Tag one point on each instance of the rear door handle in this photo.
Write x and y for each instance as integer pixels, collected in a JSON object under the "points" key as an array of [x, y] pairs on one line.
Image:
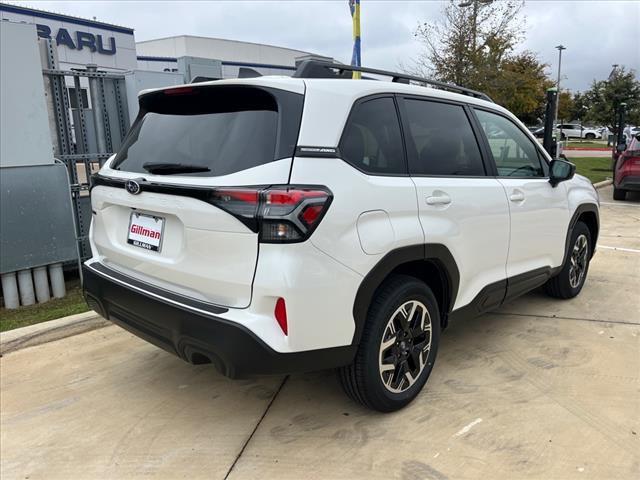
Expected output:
{"points": [[517, 196], [439, 200]]}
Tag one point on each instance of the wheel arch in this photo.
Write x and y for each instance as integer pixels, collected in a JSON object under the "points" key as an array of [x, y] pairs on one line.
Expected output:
{"points": [[588, 214], [432, 263]]}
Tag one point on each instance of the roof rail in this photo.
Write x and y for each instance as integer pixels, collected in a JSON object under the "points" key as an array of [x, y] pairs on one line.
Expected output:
{"points": [[321, 69]]}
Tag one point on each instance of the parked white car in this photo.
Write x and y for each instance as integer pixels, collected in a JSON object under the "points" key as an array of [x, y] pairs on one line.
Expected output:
{"points": [[574, 130], [275, 224]]}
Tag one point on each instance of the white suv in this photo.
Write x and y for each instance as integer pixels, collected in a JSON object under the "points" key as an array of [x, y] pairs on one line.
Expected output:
{"points": [[276, 224], [575, 130]]}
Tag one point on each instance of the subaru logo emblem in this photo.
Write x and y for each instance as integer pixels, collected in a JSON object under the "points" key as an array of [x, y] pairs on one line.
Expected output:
{"points": [[132, 187]]}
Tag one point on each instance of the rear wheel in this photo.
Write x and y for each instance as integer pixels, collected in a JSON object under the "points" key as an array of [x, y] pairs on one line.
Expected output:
{"points": [[619, 194], [398, 346], [570, 280]]}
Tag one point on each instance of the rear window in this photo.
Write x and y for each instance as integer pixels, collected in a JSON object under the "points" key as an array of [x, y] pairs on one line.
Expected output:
{"points": [[225, 129]]}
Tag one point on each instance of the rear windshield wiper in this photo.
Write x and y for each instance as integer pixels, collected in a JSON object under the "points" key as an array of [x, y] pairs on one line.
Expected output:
{"points": [[165, 168]]}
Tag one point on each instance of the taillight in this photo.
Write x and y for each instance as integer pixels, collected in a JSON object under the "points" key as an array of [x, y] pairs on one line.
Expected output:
{"points": [[238, 201], [626, 157], [280, 214], [285, 213]]}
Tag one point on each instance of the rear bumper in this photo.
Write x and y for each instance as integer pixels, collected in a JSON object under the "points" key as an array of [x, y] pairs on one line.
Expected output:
{"points": [[195, 335], [629, 182]]}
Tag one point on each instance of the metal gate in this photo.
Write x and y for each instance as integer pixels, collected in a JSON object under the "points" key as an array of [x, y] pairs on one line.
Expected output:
{"points": [[88, 113]]}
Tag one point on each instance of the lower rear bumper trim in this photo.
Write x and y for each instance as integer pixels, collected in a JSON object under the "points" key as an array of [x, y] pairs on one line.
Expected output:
{"points": [[629, 182], [199, 338]]}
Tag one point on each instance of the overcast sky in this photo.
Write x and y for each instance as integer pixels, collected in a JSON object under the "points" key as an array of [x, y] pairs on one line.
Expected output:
{"points": [[597, 34]]}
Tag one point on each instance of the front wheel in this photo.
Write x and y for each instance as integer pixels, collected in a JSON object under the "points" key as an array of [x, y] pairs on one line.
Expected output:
{"points": [[590, 136], [569, 282], [398, 346]]}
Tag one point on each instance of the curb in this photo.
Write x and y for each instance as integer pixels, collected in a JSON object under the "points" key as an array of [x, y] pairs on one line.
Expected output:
{"points": [[588, 149], [602, 184], [45, 332]]}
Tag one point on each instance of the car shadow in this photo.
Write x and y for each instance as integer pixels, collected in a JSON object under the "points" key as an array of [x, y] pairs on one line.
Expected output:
{"points": [[470, 342]]}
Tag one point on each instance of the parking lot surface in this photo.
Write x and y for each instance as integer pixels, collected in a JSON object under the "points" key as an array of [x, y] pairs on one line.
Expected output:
{"points": [[541, 388]]}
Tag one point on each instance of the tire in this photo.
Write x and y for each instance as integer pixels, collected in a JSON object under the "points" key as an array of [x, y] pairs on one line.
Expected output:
{"points": [[390, 389], [619, 194], [590, 136], [569, 282]]}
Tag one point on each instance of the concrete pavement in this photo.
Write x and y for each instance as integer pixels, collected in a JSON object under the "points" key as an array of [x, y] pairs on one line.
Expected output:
{"points": [[539, 389]]}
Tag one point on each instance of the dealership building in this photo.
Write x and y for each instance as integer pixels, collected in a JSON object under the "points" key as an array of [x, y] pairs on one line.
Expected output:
{"points": [[162, 55], [114, 48], [153, 63]]}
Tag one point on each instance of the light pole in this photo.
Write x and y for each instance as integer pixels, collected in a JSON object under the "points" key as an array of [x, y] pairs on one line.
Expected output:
{"points": [[475, 4], [555, 117]]}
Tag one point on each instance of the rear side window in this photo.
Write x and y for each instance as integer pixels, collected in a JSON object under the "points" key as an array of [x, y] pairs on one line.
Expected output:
{"points": [[225, 129], [443, 138], [371, 140]]}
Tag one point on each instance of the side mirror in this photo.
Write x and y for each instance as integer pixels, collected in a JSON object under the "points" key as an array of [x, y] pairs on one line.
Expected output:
{"points": [[560, 171], [621, 147]]}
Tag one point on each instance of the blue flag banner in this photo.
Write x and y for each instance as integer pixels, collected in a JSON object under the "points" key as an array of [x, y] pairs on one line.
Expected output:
{"points": [[354, 7]]}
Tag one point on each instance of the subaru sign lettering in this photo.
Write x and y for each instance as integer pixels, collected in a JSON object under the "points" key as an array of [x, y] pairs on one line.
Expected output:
{"points": [[79, 40]]}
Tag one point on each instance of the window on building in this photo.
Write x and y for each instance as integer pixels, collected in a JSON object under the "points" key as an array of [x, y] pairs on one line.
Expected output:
{"points": [[73, 100]]}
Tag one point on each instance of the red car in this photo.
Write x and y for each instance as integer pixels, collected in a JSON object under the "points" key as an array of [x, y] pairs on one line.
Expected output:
{"points": [[626, 171]]}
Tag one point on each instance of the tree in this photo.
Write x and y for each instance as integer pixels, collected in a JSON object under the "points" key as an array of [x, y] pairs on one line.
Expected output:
{"points": [[520, 85], [604, 97], [474, 46], [579, 107], [456, 48], [566, 107]]}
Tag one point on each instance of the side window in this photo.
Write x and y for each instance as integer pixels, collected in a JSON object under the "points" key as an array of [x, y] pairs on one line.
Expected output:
{"points": [[371, 141], [514, 153], [443, 138]]}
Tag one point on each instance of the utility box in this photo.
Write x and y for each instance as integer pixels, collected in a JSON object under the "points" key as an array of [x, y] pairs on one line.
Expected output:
{"points": [[139, 80], [199, 69]]}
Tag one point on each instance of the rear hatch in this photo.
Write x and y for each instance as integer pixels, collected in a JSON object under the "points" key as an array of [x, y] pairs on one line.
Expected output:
{"points": [[177, 206]]}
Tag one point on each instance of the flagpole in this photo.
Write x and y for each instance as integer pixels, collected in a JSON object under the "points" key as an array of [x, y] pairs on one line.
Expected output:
{"points": [[356, 60]]}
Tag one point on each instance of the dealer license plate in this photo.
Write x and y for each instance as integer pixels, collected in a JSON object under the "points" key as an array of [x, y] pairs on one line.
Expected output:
{"points": [[145, 231]]}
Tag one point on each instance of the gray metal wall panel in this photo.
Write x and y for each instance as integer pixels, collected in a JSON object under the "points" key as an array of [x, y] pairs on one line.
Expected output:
{"points": [[36, 220], [24, 134]]}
